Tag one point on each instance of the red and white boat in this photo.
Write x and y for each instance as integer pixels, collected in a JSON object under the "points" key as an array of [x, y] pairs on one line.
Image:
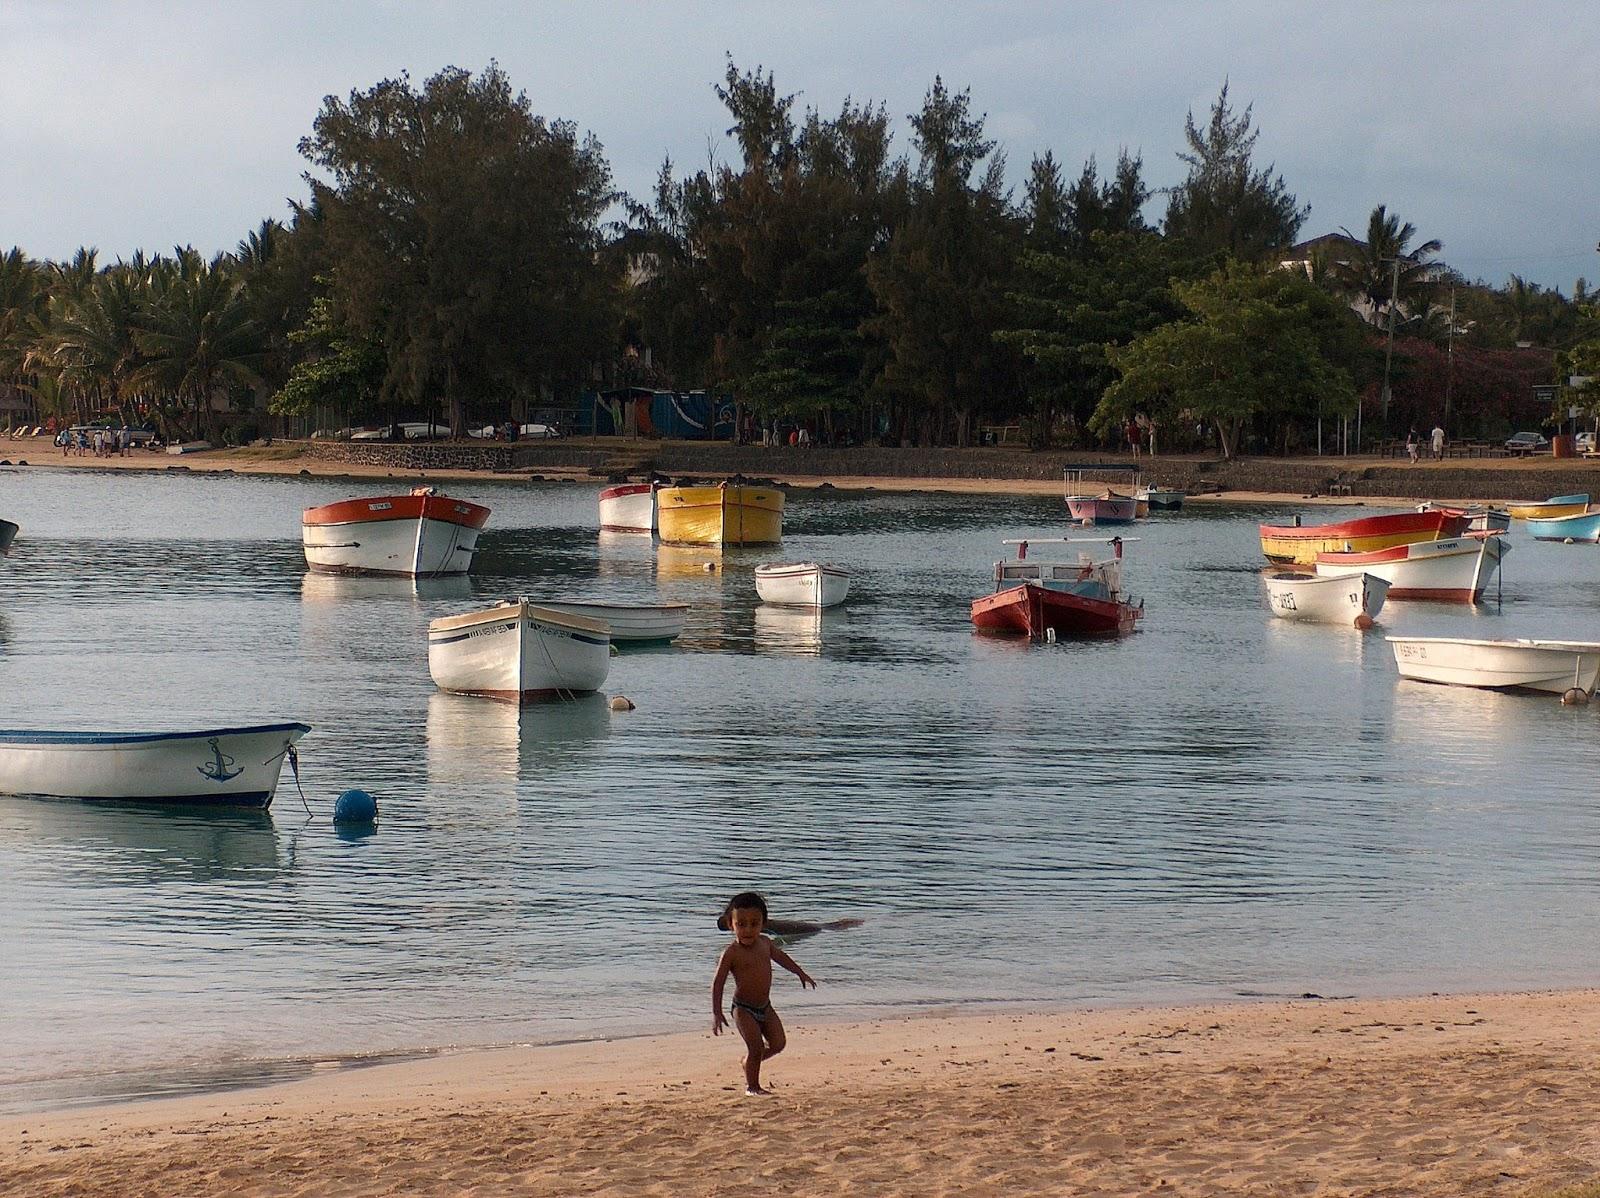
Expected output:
{"points": [[629, 507], [1297, 544], [1455, 570], [1044, 600], [417, 535]]}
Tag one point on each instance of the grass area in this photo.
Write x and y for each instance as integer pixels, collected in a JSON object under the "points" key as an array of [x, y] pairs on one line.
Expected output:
{"points": [[268, 453]]}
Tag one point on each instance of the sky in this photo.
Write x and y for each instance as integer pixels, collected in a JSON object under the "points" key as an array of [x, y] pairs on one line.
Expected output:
{"points": [[145, 125]]}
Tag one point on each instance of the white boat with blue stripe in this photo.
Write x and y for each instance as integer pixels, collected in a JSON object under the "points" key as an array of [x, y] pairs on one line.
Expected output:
{"points": [[213, 767], [519, 652]]}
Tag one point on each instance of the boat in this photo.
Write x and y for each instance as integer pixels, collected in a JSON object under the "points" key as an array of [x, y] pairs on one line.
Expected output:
{"points": [[519, 652], [1299, 545], [418, 534], [1582, 526], [211, 767], [629, 507], [724, 514], [1106, 508], [630, 623], [1044, 599], [1455, 570], [8, 534], [1554, 666], [1480, 517], [802, 584], [1161, 499], [1295, 595], [1556, 505]]}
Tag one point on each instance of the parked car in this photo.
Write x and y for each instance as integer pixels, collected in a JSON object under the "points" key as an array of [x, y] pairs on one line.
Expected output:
{"points": [[490, 431], [1585, 443], [1526, 443]]}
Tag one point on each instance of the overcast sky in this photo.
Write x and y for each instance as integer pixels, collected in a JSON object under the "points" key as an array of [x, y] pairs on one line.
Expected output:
{"points": [[148, 124]]}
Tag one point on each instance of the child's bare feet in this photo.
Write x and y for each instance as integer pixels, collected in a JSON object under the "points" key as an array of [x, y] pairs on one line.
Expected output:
{"points": [[756, 1092]]}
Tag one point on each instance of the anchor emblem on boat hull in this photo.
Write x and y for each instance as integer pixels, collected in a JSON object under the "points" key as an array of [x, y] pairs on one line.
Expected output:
{"points": [[217, 768]]}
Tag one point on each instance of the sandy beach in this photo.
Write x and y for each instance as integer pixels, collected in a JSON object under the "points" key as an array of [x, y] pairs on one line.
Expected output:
{"points": [[1459, 1095]]}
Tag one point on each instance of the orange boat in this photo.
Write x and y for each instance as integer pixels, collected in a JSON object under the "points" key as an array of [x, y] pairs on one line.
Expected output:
{"points": [[1298, 544]]}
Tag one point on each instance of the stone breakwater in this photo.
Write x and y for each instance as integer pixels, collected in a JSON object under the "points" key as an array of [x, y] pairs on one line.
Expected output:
{"points": [[1285, 476]]}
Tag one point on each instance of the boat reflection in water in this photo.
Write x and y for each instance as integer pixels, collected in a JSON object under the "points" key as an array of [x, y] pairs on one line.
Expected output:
{"points": [[791, 630], [350, 588], [474, 742]]}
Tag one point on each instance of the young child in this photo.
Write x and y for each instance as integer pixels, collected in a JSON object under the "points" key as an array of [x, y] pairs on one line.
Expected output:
{"points": [[749, 958]]}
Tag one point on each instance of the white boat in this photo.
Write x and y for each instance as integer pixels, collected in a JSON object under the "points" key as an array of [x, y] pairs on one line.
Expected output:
{"points": [[1295, 595], [802, 584], [419, 534], [629, 507], [8, 533], [214, 767], [1553, 666], [1160, 499], [1455, 570], [518, 651], [1480, 517], [630, 623]]}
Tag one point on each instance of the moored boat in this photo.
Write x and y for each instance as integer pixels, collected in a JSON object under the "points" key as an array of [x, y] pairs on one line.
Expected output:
{"points": [[8, 534], [1480, 517], [1296, 595], [212, 767], [629, 507], [802, 584], [518, 652], [1161, 499], [724, 514], [1299, 545], [419, 534], [1581, 526], [1454, 570], [1556, 505], [1044, 599], [1106, 508], [629, 623], [1538, 665]]}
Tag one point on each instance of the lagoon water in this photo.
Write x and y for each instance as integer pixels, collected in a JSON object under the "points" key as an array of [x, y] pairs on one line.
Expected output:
{"points": [[1221, 805]]}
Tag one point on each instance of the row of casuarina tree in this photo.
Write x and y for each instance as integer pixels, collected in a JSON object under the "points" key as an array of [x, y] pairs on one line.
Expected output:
{"points": [[460, 255]]}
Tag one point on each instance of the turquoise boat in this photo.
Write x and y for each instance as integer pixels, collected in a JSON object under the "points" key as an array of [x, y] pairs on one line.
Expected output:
{"points": [[1582, 527]]}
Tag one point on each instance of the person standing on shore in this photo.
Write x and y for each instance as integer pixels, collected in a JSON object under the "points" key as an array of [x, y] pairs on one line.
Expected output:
{"points": [[1411, 445], [749, 959], [1438, 443]]}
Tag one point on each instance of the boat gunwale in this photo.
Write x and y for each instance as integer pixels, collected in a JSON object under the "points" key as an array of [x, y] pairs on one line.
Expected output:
{"points": [[22, 736], [520, 610]]}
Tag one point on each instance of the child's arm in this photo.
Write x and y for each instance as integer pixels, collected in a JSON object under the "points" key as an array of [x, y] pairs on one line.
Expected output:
{"points": [[718, 1019], [788, 962]]}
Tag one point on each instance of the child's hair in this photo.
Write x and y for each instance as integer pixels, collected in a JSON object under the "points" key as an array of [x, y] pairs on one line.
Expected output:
{"points": [[745, 900]]}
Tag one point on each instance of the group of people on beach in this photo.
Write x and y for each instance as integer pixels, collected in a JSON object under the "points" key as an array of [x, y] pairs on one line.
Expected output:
{"points": [[102, 442]]}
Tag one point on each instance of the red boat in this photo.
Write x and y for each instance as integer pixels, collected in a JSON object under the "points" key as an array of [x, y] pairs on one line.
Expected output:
{"points": [[1297, 544], [1044, 600]]}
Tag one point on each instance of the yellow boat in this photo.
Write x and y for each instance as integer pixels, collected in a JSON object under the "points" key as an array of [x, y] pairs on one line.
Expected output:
{"points": [[726, 514], [1285, 544], [1561, 505]]}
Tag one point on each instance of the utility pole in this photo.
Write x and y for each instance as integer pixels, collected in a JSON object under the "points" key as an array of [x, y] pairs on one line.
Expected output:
{"points": [[1450, 358], [1388, 354]]}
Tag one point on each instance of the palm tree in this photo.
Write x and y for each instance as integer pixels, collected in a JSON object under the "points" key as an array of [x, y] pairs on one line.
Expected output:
{"points": [[1369, 275], [24, 302], [199, 337], [93, 339]]}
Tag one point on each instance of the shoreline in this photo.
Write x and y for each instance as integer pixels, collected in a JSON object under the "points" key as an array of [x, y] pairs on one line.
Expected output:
{"points": [[1460, 1094]]}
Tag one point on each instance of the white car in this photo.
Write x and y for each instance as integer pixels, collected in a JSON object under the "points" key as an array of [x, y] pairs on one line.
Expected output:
{"points": [[1585, 443]]}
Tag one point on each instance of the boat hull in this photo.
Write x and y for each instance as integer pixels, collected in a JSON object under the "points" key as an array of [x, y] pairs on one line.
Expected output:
{"points": [[1550, 666], [217, 767], [8, 534], [1584, 526], [1355, 600], [518, 653], [1550, 509], [1164, 501], [1295, 545], [414, 536], [630, 623], [722, 515], [630, 507], [1100, 509], [802, 584], [1455, 570], [1034, 611]]}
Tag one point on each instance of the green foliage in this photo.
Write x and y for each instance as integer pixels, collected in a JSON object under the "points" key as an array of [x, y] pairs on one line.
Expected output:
{"points": [[340, 370]]}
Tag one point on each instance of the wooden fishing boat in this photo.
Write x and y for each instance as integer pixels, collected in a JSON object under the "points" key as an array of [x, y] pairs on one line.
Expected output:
{"points": [[1553, 666], [629, 507], [1556, 505], [419, 534], [1455, 570], [1296, 595], [1106, 508], [630, 623], [725, 514], [1581, 526], [1299, 545], [1044, 600], [518, 652], [8, 534], [1161, 499], [1480, 517], [212, 767], [802, 584]]}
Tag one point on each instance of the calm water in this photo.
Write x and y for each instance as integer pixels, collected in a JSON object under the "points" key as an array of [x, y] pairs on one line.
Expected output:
{"points": [[1224, 804]]}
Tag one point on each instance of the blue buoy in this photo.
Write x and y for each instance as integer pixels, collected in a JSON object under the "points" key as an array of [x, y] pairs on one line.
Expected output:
{"points": [[355, 807]]}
